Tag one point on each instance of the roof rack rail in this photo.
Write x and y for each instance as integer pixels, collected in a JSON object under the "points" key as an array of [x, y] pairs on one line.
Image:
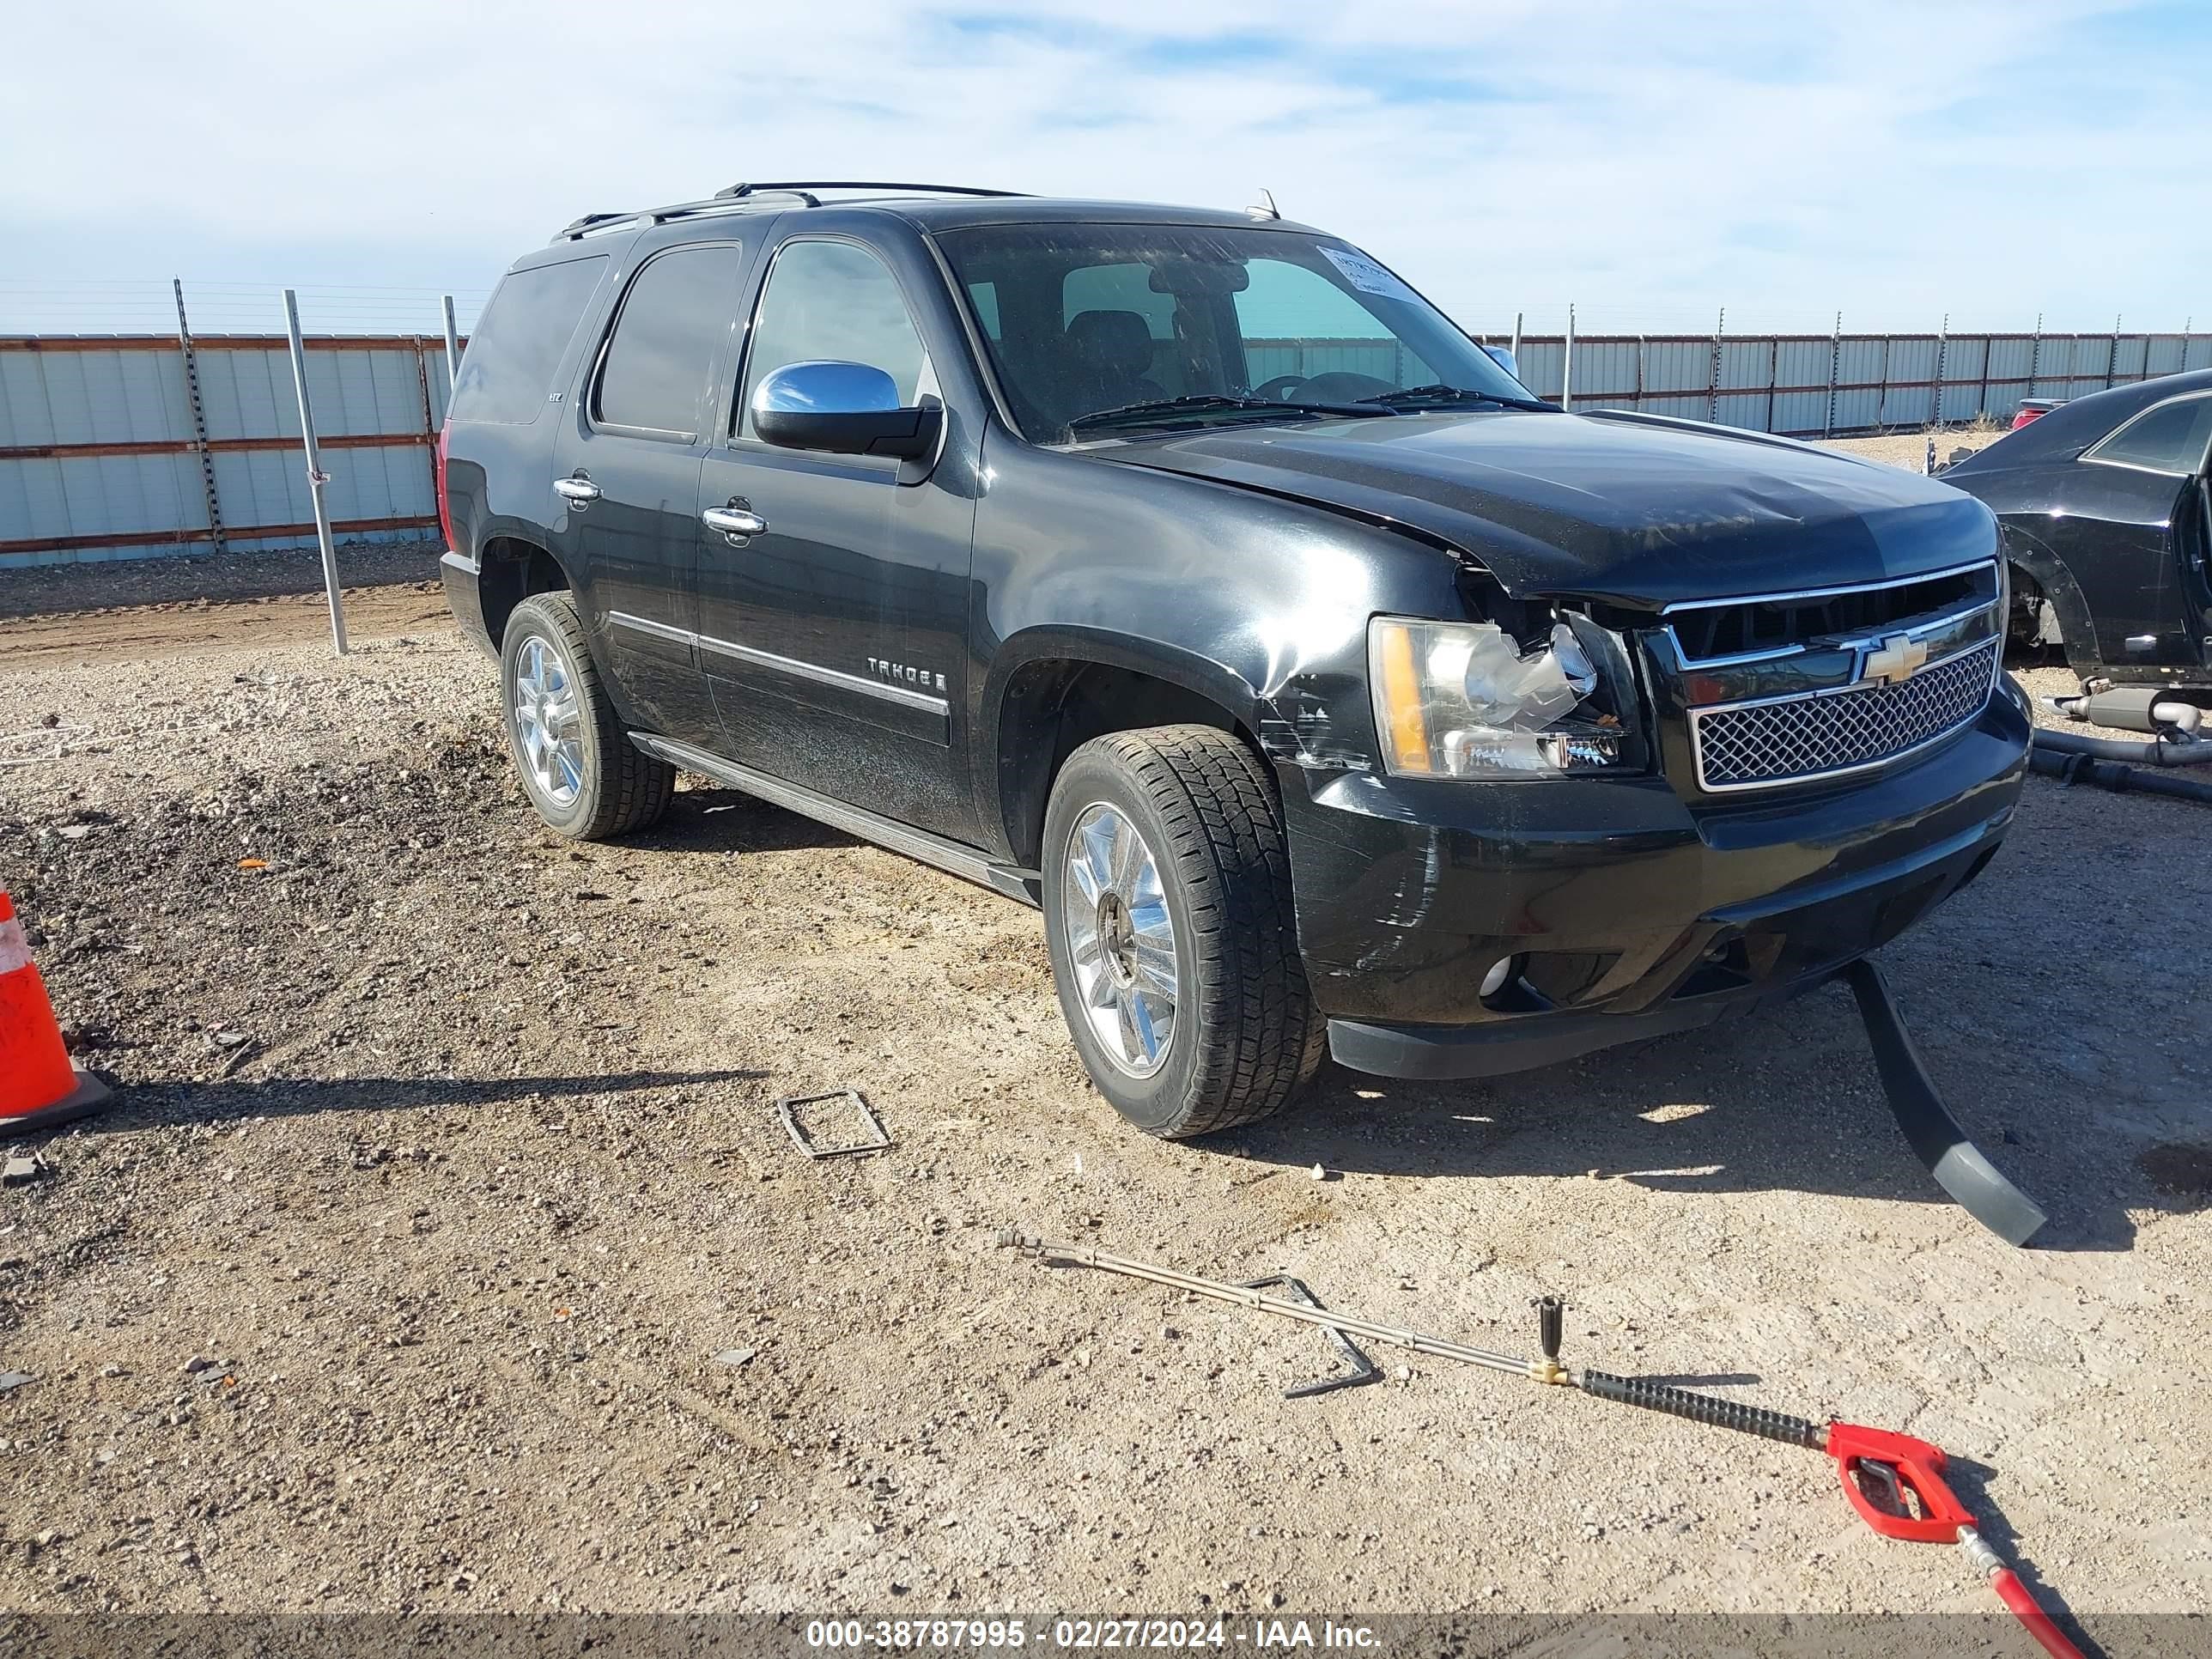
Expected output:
{"points": [[801, 187], [578, 227], [742, 197], [575, 229]]}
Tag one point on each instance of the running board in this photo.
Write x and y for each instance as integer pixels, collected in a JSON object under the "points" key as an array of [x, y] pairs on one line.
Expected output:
{"points": [[938, 851]]}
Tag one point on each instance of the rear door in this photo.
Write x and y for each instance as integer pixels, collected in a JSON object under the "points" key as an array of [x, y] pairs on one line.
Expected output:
{"points": [[626, 479], [835, 638]]}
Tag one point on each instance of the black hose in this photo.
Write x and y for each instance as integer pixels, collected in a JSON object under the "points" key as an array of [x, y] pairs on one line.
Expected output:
{"points": [[2117, 749], [2082, 768]]}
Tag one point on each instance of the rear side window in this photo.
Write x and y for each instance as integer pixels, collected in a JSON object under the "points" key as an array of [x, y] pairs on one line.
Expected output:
{"points": [[673, 320], [508, 371], [2170, 438]]}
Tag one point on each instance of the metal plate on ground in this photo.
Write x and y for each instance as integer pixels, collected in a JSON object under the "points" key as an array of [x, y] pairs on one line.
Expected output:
{"points": [[875, 1137]]}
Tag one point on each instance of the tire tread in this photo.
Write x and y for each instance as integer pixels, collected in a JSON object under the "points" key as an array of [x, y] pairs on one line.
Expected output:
{"points": [[1260, 1036], [633, 789]]}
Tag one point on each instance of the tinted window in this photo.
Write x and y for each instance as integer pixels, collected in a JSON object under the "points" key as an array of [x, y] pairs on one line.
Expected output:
{"points": [[1090, 318], [833, 302], [673, 320], [507, 373], [1297, 322], [985, 298], [2167, 439]]}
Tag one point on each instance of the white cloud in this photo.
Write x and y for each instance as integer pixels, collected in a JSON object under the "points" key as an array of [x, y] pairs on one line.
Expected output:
{"points": [[1993, 158]]}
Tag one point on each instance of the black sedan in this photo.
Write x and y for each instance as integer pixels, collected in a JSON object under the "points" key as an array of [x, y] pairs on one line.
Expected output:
{"points": [[2107, 515]]}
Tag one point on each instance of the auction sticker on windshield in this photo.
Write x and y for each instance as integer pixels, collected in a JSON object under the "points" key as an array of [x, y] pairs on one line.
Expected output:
{"points": [[1364, 274]]}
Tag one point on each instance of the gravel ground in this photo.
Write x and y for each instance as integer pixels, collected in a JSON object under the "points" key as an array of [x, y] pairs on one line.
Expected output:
{"points": [[46, 589], [443, 1252]]}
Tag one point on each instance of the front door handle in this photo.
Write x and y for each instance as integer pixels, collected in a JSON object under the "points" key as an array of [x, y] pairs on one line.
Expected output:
{"points": [[737, 522], [579, 489]]}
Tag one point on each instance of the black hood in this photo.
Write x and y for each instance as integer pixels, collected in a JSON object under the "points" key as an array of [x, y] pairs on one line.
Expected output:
{"points": [[1617, 508]]}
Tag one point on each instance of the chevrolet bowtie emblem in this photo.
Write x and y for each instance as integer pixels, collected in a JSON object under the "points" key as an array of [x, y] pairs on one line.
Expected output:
{"points": [[1900, 656]]}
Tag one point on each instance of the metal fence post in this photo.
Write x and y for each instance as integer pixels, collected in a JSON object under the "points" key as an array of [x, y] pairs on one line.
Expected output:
{"points": [[316, 477], [2035, 356], [1942, 350], [1638, 404], [1516, 336], [1774, 376], [1567, 365], [216, 539], [1713, 386], [452, 346], [2112, 357], [1835, 361]]}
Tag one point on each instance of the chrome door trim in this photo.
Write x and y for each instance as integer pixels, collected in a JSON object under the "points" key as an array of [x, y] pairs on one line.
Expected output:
{"points": [[821, 675], [660, 630], [941, 707]]}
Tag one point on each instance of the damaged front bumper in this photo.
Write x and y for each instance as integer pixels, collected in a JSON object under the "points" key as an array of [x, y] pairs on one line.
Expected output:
{"points": [[1627, 912]]}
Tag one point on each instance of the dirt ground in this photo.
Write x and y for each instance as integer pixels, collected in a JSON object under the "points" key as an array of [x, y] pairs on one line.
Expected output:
{"points": [[442, 1250]]}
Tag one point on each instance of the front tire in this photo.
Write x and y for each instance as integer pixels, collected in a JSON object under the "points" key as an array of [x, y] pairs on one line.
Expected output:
{"points": [[587, 779], [1168, 914]]}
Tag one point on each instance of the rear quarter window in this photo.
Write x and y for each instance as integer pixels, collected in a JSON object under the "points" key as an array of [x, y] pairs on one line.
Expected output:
{"points": [[2165, 438], [507, 373]]}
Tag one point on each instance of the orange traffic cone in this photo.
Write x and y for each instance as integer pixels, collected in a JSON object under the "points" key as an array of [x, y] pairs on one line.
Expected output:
{"points": [[40, 1087]]}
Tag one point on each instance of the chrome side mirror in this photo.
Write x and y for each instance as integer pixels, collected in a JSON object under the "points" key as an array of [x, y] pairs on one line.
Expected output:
{"points": [[844, 409]]}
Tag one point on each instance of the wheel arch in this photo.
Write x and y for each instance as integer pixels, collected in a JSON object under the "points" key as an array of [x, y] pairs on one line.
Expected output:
{"points": [[2077, 634], [510, 569], [1051, 690]]}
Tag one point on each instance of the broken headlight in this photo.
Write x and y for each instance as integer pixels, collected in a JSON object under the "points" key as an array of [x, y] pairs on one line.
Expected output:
{"points": [[1469, 700]]}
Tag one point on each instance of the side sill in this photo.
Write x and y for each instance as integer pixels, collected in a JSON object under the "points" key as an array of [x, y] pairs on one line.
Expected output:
{"points": [[937, 851]]}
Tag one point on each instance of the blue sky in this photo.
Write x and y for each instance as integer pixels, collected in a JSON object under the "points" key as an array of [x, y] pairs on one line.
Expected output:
{"points": [[1990, 159]]}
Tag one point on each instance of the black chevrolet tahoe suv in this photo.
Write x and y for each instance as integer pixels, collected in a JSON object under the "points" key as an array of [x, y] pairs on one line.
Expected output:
{"points": [[1188, 576]]}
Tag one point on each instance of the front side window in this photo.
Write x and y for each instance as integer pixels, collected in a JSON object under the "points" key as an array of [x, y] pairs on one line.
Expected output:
{"points": [[674, 321], [1091, 323], [2168, 438], [835, 302]]}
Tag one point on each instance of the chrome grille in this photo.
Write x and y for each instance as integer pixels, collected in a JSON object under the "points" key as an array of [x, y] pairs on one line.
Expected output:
{"points": [[1758, 744]]}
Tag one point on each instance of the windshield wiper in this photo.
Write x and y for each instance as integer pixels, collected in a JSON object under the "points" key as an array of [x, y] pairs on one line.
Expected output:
{"points": [[1413, 397], [1212, 403]]}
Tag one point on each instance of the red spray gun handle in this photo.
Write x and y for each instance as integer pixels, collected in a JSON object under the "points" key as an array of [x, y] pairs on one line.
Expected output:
{"points": [[1883, 1473], [1880, 1470]]}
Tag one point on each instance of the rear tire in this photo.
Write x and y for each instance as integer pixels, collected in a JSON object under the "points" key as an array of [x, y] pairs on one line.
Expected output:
{"points": [[1241, 1034], [587, 779]]}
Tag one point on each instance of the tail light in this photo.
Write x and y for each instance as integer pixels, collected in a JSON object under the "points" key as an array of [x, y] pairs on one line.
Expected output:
{"points": [[2024, 417], [438, 485]]}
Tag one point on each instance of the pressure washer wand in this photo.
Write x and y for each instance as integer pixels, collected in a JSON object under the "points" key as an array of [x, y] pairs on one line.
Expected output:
{"points": [[1893, 1481]]}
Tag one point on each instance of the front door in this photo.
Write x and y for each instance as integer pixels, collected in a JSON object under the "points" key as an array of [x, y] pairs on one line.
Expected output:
{"points": [[2129, 516], [834, 633], [626, 481]]}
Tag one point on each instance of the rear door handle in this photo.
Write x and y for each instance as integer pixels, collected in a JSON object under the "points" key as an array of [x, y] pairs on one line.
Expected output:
{"points": [[737, 523], [578, 489]]}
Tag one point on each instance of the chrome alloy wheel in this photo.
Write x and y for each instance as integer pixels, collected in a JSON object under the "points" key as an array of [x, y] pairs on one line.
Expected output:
{"points": [[549, 722], [1120, 939]]}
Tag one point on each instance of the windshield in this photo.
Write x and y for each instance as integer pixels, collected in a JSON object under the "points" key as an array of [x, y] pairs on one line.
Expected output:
{"points": [[1211, 323]]}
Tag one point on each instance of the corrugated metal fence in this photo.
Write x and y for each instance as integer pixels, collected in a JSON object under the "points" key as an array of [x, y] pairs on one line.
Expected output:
{"points": [[1824, 384], [101, 456]]}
